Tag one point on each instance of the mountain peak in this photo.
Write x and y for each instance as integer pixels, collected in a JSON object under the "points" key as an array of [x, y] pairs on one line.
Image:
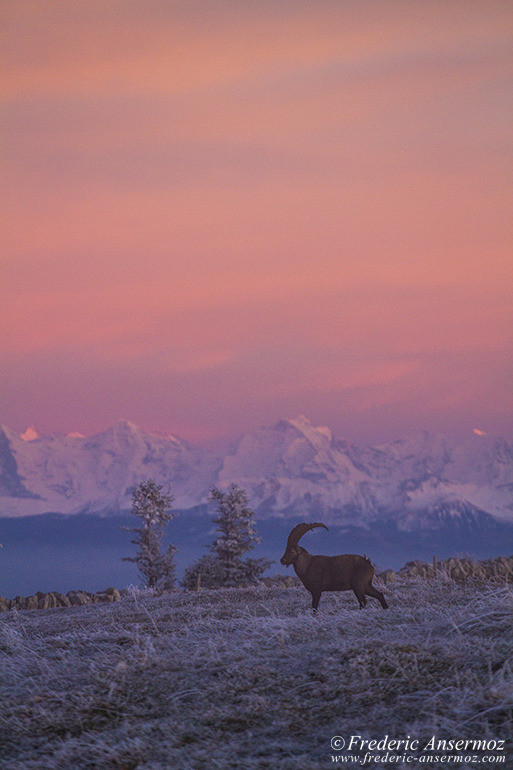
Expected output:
{"points": [[124, 429], [310, 430], [30, 434], [300, 420], [126, 425]]}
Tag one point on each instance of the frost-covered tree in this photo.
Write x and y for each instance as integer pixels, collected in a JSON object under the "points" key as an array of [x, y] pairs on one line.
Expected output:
{"points": [[153, 506], [235, 535], [236, 530]]}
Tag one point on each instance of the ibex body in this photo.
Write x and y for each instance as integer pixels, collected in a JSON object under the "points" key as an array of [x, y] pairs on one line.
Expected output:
{"points": [[347, 572]]}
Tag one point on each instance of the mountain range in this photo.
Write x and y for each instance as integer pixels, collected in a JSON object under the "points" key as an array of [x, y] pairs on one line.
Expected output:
{"points": [[290, 470]]}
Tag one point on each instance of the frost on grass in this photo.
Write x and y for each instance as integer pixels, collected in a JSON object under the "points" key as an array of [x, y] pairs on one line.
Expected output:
{"points": [[248, 678]]}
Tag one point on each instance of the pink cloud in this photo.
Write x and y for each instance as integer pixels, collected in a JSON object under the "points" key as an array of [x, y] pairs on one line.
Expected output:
{"points": [[271, 210]]}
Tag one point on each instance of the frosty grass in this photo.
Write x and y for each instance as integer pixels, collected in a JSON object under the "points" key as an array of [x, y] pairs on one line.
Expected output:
{"points": [[247, 678]]}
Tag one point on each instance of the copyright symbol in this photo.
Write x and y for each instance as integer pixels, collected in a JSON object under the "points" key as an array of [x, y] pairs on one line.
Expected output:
{"points": [[337, 743]]}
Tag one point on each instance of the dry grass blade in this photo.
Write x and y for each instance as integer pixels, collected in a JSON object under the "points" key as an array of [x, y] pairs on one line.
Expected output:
{"points": [[248, 678]]}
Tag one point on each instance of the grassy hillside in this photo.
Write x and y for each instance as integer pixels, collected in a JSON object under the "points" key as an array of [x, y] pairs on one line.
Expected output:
{"points": [[249, 679]]}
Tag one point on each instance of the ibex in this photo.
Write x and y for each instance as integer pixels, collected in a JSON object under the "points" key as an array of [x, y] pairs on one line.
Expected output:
{"points": [[347, 572]]}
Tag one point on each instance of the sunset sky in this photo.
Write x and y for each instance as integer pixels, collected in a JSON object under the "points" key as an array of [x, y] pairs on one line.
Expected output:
{"points": [[217, 214]]}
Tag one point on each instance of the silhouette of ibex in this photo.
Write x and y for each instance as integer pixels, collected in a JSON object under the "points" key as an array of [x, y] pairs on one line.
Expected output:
{"points": [[347, 572]]}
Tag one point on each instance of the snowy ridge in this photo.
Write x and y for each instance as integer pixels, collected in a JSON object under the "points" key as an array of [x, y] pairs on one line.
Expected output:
{"points": [[290, 469], [72, 474]]}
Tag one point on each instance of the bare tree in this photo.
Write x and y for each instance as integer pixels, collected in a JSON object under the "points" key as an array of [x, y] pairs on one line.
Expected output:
{"points": [[153, 506]]}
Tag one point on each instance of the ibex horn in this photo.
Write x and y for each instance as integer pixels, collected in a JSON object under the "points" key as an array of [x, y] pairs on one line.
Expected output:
{"points": [[300, 530]]}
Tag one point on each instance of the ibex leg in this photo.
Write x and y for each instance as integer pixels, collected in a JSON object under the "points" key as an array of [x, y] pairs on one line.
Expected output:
{"points": [[359, 592], [371, 591], [315, 600]]}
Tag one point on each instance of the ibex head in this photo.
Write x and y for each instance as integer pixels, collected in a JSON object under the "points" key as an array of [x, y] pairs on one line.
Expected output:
{"points": [[292, 549]]}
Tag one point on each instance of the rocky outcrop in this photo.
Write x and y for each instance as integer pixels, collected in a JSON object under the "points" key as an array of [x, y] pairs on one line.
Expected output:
{"points": [[78, 598], [461, 570], [109, 595], [46, 601]]}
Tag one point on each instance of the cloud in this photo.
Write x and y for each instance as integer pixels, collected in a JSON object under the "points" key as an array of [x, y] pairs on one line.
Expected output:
{"points": [[260, 202]]}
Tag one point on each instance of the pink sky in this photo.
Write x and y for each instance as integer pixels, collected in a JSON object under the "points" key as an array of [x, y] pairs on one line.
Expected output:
{"points": [[220, 214]]}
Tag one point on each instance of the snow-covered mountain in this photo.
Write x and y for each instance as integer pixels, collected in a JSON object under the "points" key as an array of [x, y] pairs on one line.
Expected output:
{"points": [[73, 474], [295, 468], [291, 469]]}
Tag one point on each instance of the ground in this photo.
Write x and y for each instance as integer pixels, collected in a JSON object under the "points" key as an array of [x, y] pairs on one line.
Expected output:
{"points": [[248, 678]]}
